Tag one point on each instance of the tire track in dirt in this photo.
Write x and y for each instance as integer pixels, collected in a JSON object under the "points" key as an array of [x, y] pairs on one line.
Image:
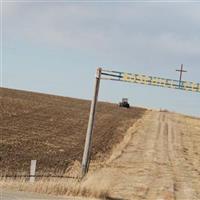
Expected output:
{"points": [[163, 185], [153, 164], [187, 179]]}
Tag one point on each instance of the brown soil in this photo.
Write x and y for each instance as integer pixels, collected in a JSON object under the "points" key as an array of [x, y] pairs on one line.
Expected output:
{"points": [[51, 129]]}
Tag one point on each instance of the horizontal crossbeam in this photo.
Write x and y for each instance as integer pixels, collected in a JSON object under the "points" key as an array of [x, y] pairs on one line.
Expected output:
{"points": [[150, 80]]}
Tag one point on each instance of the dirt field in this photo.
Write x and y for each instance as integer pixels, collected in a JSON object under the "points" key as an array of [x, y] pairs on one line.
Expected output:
{"points": [[52, 130], [158, 160]]}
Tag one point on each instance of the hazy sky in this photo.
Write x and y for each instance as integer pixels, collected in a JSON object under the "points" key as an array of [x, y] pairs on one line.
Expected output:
{"points": [[54, 47]]}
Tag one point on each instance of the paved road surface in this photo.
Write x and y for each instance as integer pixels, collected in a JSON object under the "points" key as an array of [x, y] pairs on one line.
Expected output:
{"points": [[14, 195], [11, 195]]}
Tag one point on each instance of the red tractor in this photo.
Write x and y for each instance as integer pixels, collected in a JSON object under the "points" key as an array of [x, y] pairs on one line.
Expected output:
{"points": [[124, 103]]}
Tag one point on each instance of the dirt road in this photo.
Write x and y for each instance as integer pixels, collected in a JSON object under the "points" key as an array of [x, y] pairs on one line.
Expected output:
{"points": [[160, 160], [14, 195]]}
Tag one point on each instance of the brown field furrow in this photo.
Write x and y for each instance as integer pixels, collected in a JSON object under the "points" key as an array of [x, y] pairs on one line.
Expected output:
{"points": [[52, 129]]}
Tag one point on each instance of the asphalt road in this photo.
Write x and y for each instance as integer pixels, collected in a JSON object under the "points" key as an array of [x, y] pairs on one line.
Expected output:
{"points": [[14, 195]]}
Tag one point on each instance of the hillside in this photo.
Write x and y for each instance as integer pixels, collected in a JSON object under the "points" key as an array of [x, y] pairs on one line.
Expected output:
{"points": [[51, 129]]}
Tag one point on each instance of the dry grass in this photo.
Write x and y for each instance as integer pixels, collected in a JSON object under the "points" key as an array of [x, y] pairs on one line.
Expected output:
{"points": [[92, 186], [118, 148], [68, 187]]}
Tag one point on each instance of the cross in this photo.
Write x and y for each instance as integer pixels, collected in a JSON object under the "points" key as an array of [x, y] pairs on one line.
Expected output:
{"points": [[181, 74]]}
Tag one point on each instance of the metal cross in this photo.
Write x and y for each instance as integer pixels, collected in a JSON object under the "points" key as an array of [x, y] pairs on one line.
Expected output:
{"points": [[181, 74]]}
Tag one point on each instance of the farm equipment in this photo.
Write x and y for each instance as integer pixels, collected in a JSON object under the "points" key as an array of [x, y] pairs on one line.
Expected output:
{"points": [[124, 103]]}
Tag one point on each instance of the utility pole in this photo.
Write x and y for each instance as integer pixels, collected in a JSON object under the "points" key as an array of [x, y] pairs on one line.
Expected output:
{"points": [[88, 140], [181, 74]]}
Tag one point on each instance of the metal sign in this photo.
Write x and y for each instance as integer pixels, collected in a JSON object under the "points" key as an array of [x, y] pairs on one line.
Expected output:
{"points": [[150, 80], [131, 78]]}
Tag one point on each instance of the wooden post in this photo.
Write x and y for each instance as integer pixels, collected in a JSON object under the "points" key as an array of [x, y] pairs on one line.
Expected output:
{"points": [[32, 171], [88, 140]]}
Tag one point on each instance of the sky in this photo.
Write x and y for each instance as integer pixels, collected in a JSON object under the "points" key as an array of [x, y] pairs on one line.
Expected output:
{"points": [[55, 47]]}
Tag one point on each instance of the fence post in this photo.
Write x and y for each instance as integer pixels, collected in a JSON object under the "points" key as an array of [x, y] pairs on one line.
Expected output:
{"points": [[88, 140], [32, 171]]}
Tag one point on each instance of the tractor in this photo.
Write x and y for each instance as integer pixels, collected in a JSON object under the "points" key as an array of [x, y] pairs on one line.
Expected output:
{"points": [[124, 103]]}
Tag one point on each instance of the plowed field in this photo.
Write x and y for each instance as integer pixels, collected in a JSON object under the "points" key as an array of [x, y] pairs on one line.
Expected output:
{"points": [[51, 129]]}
